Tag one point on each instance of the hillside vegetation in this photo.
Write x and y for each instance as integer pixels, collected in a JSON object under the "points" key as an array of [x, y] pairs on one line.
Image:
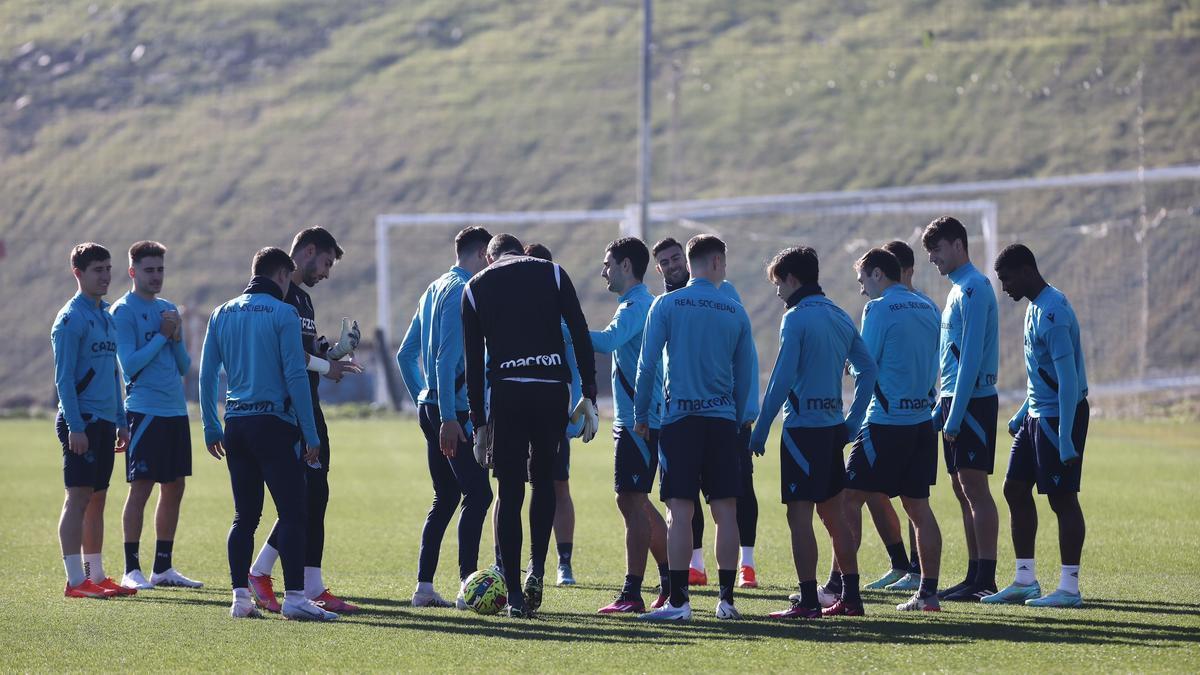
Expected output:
{"points": [[220, 126]]}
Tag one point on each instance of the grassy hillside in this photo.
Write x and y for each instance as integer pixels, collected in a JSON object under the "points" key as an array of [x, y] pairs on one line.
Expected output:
{"points": [[219, 126]]}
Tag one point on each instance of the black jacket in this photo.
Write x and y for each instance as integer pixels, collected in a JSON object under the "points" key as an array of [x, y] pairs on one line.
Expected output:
{"points": [[515, 309]]}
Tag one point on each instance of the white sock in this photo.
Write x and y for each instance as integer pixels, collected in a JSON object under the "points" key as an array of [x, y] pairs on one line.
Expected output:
{"points": [[241, 596], [93, 566], [1026, 571], [698, 559], [265, 562], [313, 584], [424, 587], [74, 567], [1069, 581], [294, 597], [748, 556]]}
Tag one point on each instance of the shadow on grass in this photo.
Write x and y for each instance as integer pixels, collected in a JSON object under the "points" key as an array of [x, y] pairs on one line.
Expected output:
{"points": [[948, 628], [1145, 607]]}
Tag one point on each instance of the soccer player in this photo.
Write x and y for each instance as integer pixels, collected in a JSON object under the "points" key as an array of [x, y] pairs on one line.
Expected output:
{"points": [[709, 379], [154, 361], [255, 337], [895, 454], [514, 310], [314, 251], [671, 264], [902, 576], [564, 506], [635, 458], [966, 414], [91, 423], [816, 338], [1049, 431], [435, 342]]}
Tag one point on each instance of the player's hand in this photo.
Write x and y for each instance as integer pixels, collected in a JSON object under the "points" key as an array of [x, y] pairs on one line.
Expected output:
{"points": [[339, 369], [585, 412], [949, 437], [312, 454], [349, 340], [170, 323], [483, 445], [77, 441], [449, 436], [936, 418], [122, 439], [216, 449], [1066, 451], [642, 429], [1014, 425]]}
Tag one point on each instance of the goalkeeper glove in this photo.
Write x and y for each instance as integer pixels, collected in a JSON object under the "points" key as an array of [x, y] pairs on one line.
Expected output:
{"points": [[348, 342], [483, 445], [585, 412]]}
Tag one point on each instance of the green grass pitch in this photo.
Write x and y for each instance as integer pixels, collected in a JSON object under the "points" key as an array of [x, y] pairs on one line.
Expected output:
{"points": [[1140, 579]]}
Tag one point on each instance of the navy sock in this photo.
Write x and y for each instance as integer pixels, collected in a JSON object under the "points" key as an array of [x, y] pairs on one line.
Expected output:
{"points": [[679, 587], [664, 578], [898, 555], [131, 557], [808, 595], [850, 588], [499, 563], [564, 553], [928, 586], [633, 586], [725, 581], [986, 574], [834, 585], [972, 572], [162, 556], [914, 560]]}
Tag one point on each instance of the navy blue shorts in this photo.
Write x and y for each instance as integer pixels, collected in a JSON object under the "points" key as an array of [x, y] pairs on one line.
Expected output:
{"points": [[93, 468], [811, 468], [897, 460], [975, 445], [699, 454], [635, 461], [1035, 459], [743, 445], [160, 448], [562, 462]]}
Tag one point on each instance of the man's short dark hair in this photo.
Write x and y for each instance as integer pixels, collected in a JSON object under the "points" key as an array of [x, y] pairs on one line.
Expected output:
{"points": [[879, 259], [470, 239], [704, 245], [318, 237], [799, 261], [146, 249], [87, 253], [633, 250], [504, 243], [944, 228], [1015, 256], [540, 251], [268, 261], [903, 253], [664, 244]]}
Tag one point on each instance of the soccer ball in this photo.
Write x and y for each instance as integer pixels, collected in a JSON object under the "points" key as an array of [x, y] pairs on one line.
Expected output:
{"points": [[485, 592]]}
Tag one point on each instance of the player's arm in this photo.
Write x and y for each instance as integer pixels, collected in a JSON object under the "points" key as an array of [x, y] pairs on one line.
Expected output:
{"points": [[654, 338], [1014, 423], [783, 378], [862, 364], [974, 318], [572, 313], [873, 335], [623, 328], [132, 359], [1063, 353], [473, 356], [183, 361], [408, 357], [122, 420], [210, 371], [295, 377], [449, 352], [65, 341], [745, 371]]}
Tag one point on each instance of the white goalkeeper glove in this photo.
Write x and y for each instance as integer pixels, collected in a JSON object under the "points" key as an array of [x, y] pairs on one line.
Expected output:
{"points": [[585, 412], [483, 445], [348, 342]]}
